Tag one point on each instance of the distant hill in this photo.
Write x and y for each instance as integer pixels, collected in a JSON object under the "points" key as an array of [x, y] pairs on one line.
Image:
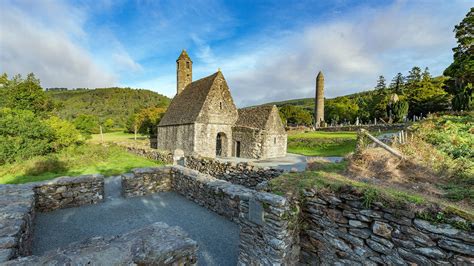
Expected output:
{"points": [[114, 103]]}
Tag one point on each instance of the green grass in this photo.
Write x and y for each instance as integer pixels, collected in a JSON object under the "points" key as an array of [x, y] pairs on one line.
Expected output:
{"points": [[117, 137], [85, 159], [321, 143]]}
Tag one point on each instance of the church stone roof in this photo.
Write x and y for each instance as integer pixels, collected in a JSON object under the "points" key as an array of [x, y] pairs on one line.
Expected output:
{"points": [[254, 117], [186, 106]]}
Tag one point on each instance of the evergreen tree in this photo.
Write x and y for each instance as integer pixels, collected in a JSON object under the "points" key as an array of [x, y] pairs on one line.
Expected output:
{"points": [[381, 85], [397, 84], [414, 77], [399, 111], [461, 71]]}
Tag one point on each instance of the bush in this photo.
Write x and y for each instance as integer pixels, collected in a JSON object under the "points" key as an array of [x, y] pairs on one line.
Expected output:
{"points": [[23, 135], [87, 124], [65, 133]]}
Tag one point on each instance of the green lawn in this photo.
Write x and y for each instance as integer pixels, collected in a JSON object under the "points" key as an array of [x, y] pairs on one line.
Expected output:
{"points": [[119, 137], [321, 143], [73, 161]]}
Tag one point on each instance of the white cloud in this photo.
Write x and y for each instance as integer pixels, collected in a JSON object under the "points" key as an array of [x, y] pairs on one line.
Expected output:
{"points": [[43, 38], [352, 51]]}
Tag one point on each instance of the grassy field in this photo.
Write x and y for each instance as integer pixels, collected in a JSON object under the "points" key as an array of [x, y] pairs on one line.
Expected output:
{"points": [[119, 137], [85, 159], [322, 143]]}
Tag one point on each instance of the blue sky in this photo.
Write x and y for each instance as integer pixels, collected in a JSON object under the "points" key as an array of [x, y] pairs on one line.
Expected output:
{"points": [[267, 50]]}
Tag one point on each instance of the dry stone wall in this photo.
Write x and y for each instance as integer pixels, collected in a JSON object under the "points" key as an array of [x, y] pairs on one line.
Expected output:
{"points": [[66, 192], [157, 244], [244, 174], [19, 203], [153, 154], [266, 235], [217, 195], [17, 212], [339, 230], [144, 181], [269, 237]]}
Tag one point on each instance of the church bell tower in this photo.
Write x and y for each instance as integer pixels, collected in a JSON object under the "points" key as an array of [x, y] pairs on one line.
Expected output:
{"points": [[184, 71]]}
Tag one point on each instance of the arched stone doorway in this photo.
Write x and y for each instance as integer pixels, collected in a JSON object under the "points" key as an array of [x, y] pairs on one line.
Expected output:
{"points": [[221, 145]]}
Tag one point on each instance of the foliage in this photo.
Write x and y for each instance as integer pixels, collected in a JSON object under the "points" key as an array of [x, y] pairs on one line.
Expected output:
{"points": [[295, 115], [73, 161], [340, 109], [397, 84], [461, 71], [117, 104], [26, 94], [145, 121], [65, 133], [451, 140], [381, 85], [399, 110], [87, 124], [23, 135]]}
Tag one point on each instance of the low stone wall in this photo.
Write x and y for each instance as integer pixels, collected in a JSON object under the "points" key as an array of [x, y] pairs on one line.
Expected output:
{"points": [[17, 212], [153, 154], [18, 204], [144, 181], [157, 244], [381, 127], [244, 174], [217, 195], [266, 236], [339, 230], [268, 231], [66, 192]]}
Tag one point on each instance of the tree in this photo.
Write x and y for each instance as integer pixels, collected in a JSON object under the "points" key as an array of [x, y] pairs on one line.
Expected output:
{"points": [[27, 94], [381, 85], [399, 110], [145, 121], [23, 135], [423, 95], [65, 133], [397, 84], [461, 71], [88, 124], [295, 115]]}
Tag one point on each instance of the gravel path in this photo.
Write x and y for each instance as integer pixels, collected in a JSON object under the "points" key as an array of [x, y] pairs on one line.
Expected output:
{"points": [[217, 237]]}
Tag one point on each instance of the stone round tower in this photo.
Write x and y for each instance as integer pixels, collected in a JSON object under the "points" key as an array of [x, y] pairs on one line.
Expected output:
{"points": [[319, 101], [184, 71]]}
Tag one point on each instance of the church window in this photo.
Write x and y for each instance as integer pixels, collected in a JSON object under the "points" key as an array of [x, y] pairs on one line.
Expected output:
{"points": [[220, 105], [274, 140], [187, 64]]}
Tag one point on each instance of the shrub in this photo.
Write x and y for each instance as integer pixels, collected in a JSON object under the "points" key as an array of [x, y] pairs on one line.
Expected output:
{"points": [[88, 124], [65, 133], [23, 135]]}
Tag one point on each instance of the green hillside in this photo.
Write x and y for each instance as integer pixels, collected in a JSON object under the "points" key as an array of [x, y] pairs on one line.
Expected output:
{"points": [[117, 104]]}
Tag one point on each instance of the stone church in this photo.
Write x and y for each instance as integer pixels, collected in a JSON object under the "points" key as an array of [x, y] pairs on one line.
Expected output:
{"points": [[202, 119]]}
